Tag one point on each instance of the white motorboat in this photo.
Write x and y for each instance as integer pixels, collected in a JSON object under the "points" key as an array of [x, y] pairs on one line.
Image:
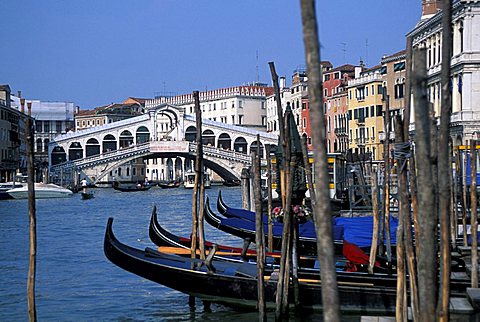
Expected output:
{"points": [[189, 182], [42, 191], [5, 186]]}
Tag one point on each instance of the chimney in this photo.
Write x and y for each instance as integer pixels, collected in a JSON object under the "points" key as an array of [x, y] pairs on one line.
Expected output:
{"points": [[29, 107], [430, 8], [22, 105], [19, 94], [282, 82]]}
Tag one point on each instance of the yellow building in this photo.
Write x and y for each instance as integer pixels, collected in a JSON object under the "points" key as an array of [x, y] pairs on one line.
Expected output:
{"points": [[365, 117]]}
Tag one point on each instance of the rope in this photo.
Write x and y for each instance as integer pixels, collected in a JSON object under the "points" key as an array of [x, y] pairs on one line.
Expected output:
{"points": [[402, 152]]}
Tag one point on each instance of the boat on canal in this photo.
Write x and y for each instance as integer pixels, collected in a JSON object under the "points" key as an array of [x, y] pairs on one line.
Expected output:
{"points": [[42, 191], [240, 227], [235, 284], [132, 187], [189, 182], [5, 186], [88, 195], [169, 185]]}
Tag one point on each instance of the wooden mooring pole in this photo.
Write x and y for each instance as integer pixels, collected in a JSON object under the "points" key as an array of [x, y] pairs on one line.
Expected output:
{"points": [[269, 198], [474, 211], [259, 232], [322, 213], [198, 180], [32, 262]]}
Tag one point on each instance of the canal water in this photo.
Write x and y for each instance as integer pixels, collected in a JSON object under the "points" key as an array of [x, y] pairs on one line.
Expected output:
{"points": [[75, 281]]}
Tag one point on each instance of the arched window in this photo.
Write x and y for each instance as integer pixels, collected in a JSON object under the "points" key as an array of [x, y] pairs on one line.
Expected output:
{"points": [[208, 138], [143, 135], [240, 145], [39, 145], [92, 147], [58, 155], [109, 143], [75, 151], [253, 148], [191, 134], [224, 141], [126, 139]]}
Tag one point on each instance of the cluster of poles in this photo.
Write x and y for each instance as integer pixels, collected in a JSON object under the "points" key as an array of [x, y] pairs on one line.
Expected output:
{"points": [[427, 201]]}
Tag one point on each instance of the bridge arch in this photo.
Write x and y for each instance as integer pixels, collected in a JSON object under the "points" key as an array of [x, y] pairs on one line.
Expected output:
{"points": [[126, 139], [58, 155], [75, 151], [253, 148], [109, 143], [224, 141], [191, 134], [92, 147], [142, 134], [208, 138], [240, 145]]}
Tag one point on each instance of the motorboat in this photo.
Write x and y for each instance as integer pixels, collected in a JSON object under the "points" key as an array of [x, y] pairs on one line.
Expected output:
{"points": [[189, 182], [42, 191], [5, 186]]}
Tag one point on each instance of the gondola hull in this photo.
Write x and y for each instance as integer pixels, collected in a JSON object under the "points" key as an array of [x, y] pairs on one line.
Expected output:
{"points": [[235, 284], [130, 188], [88, 195], [246, 229]]}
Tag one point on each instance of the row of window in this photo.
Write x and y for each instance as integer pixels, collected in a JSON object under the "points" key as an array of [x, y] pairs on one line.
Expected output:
{"points": [[9, 116], [363, 112], [96, 122], [362, 91], [44, 126]]}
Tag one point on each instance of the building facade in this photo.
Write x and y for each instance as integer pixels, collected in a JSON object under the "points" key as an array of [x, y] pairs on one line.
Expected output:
{"points": [[365, 113], [335, 100], [465, 64], [106, 114], [12, 138], [51, 119]]}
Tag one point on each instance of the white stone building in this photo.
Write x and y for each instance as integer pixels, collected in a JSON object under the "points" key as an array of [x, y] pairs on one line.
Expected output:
{"points": [[465, 63]]}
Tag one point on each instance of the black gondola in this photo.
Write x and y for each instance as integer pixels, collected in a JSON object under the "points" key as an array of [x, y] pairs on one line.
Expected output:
{"points": [[246, 229], [235, 284], [169, 185], [231, 183], [130, 187], [87, 195]]}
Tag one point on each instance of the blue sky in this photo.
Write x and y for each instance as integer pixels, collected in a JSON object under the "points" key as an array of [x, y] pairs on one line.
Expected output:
{"points": [[94, 52]]}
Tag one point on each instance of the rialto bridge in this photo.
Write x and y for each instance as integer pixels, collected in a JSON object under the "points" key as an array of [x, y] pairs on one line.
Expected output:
{"points": [[164, 132]]}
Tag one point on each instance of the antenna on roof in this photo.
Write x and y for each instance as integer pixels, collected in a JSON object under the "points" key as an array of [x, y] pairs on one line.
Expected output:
{"points": [[366, 51], [257, 77], [344, 49]]}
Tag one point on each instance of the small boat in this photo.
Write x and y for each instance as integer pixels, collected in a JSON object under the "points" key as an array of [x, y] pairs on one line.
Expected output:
{"points": [[169, 185], [189, 182], [231, 182], [42, 191], [88, 195], [5, 186], [130, 187]]}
